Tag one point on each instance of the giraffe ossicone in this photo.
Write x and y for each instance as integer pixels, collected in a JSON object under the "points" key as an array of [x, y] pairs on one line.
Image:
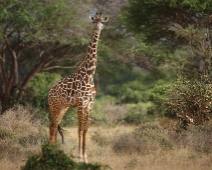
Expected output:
{"points": [[77, 90]]}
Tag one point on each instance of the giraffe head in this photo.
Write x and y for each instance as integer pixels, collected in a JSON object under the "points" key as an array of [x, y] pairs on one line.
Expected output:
{"points": [[98, 21]]}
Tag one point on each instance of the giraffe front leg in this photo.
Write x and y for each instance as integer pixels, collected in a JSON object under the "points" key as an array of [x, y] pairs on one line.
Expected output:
{"points": [[82, 146], [84, 154], [80, 135], [80, 132], [87, 110], [83, 116]]}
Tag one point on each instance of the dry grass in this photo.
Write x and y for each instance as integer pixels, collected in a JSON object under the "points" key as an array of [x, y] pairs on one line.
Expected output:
{"points": [[21, 135], [148, 146], [156, 149]]}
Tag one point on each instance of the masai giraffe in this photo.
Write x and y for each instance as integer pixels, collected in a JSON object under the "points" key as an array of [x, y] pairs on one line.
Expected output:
{"points": [[78, 90]]}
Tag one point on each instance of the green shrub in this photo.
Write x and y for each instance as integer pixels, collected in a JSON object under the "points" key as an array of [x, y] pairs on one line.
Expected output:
{"points": [[52, 158], [189, 100], [40, 86]]}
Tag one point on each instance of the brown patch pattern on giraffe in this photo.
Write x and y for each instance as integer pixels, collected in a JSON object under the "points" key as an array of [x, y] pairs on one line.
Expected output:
{"points": [[78, 90]]}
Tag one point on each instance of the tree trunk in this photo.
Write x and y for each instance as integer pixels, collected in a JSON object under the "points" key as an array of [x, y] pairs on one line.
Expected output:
{"points": [[8, 80]]}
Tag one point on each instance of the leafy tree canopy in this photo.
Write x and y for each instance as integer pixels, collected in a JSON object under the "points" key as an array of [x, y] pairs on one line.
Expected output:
{"points": [[34, 33], [35, 20], [153, 18]]}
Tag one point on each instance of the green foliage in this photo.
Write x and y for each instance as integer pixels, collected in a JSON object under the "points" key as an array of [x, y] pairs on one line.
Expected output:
{"points": [[137, 113], [42, 82], [35, 35], [35, 18], [197, 54], [183, 27], [70, 118], [152, 18], [40, 86], [54, 159], [132, 87], [157, 97], [176, 34], [194, 5]]}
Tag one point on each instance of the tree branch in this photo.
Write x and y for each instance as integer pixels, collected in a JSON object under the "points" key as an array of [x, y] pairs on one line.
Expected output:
{"points": [[59, 67], [27, 91]]}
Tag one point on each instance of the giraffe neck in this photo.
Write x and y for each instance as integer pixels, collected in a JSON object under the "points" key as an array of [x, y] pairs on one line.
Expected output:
{"points": [[88, 65]]}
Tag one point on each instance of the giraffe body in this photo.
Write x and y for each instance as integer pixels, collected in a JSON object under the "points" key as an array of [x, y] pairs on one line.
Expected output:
{"points": [[78, 90]]}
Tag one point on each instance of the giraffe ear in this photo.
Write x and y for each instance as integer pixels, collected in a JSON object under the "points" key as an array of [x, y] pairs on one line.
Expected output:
{"points": [[105, 19], [92, 18]]}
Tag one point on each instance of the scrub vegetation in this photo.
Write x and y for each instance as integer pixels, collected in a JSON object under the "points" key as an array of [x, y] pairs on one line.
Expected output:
{"points": [[153, 106]]}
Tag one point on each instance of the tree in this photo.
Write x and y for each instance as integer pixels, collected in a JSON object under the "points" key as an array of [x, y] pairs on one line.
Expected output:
{"points": [[153, 18], [34, 33], [169, 25], [183, 28]]}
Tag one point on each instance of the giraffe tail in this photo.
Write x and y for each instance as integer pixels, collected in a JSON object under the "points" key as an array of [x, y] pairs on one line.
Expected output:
{"points": [[60, 130]]}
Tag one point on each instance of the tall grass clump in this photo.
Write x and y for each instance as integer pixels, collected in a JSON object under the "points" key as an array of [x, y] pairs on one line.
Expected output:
{"points": [[21, 133], [196, 138], [146, 139]]}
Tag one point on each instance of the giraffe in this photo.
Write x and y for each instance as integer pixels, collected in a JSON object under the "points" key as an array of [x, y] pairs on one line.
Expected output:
{"points": [[77, 90]]}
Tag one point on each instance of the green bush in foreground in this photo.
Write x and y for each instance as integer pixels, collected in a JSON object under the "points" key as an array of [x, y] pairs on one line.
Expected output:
{"points": [[55, 159]]}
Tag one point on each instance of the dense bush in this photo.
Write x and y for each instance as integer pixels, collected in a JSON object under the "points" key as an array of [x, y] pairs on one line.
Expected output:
{"points": [[190, 101], [54, 159]]}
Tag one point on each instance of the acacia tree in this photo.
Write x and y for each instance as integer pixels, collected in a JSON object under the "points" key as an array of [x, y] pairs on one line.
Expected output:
{"points": [[34, 33]]}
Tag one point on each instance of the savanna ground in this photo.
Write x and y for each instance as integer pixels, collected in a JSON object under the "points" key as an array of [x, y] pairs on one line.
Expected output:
{"points": [[148, 146]]}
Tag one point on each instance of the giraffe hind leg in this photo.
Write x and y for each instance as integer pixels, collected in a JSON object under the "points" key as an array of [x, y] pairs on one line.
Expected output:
{"points": [[56, 117]]}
